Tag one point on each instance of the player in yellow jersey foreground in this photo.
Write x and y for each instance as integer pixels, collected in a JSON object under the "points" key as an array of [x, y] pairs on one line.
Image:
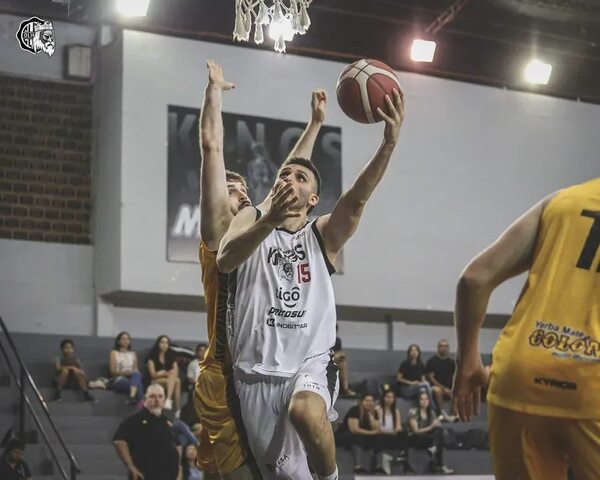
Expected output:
{"points": [[544, 392]]}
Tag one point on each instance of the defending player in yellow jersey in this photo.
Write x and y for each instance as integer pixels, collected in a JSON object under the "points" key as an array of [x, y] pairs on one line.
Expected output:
{"points": [[544, 400], [222, 453]]}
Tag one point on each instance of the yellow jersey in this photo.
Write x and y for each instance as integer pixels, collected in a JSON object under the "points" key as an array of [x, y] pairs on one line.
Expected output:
{"points": [[547, 359], [215, 295]]}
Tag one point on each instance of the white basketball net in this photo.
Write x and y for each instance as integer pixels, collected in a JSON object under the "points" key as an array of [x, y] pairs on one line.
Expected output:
{"points": [[285, 18]]}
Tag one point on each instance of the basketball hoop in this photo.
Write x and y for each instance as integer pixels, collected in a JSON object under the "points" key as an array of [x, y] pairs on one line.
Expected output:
{"points": [[285, 18]]}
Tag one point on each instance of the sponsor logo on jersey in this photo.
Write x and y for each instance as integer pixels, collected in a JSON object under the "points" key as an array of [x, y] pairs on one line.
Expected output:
{"points": [[290, 299], [284, 260], [280, 312], [279, 463], [295, 254], [271, 322], [229, 321], [551, 382], [565, 341], [291, 314], [285, 270]]}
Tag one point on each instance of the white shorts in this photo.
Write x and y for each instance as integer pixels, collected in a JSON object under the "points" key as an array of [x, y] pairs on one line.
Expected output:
{"points": [[264, 401]]}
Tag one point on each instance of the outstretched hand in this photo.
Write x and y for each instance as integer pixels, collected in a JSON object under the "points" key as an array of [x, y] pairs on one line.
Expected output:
{"points": [[318, 103], [215, 76], [471, 377], [283, 198], [394, 117]]}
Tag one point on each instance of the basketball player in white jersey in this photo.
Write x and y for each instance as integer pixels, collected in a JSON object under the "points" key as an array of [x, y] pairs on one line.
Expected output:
{"points": [[281, 311], [222, 452]]}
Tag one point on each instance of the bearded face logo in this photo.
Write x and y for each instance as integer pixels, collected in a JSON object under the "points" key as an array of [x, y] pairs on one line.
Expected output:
{"points": [[36, 35], [286, 269]]}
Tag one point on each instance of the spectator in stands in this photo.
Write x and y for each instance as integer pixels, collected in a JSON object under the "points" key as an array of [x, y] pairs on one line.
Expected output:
{"points": [[358, 432], [390, 423], [123, 365], [164, 371], [12, 465], [184, 433], [341, 360], [440, 373], [194, 366], [146, 442], [411, 375], [392, 437], [188, 462], [69, 372], [427, 432]]}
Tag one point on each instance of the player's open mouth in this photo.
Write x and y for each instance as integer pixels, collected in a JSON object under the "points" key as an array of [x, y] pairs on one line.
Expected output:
{"points": [[244, 205]]}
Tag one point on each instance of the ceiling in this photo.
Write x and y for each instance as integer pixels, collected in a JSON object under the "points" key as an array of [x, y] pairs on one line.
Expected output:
{"points": [[486, 42]]}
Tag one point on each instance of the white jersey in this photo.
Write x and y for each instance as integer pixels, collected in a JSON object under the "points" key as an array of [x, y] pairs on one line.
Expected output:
{"points": [[281, 306]]}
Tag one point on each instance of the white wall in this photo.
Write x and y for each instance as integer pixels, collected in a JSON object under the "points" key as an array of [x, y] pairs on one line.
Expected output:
{"points": [[375, 336], [470, 160], [46, 287]]}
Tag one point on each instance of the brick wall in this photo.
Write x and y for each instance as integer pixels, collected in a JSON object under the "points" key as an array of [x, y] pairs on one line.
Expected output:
{"points": [[45, 158]]}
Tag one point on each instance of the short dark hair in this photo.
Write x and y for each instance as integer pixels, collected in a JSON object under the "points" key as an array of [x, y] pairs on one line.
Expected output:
{"points": [[306, 163], [14, 444], [201, 345], [232, 176], [65, 342]]}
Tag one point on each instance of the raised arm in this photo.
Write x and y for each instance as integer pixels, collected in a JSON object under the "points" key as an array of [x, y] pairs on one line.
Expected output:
{"points": [[510, 255], [246, 233], [215, 214], [306, 143], [337, 227]]}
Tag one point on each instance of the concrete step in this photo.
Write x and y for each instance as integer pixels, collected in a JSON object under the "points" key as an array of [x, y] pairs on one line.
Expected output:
{"points": [[66, 422], [465, 462], [92, 459], [108, 402], [84, 477], [87, 422], [469, 462], [78, 436]]}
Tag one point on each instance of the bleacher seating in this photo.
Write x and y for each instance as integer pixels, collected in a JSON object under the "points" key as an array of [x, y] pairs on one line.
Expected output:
{"points": [[88, 428]]}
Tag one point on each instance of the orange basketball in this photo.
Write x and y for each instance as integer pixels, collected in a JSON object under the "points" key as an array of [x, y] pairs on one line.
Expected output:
{"points": [[362, 88]]}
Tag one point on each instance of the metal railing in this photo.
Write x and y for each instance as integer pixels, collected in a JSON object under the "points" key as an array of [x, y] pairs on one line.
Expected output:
{"points": [[21, 379]]}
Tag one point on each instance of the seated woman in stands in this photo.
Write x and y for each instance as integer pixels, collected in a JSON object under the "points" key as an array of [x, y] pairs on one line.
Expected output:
{"points": [[411, 376], [358, 433], [392, 437], [427, 432], [188, 463], [124, 372], [163, 370]]}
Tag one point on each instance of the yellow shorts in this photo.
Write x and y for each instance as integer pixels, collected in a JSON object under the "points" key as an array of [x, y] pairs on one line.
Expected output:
{"points": [[221, 447], [534, 447]]}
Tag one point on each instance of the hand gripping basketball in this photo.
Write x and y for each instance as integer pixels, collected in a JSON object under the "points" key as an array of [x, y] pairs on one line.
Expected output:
{"points": [[394, 118]]}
